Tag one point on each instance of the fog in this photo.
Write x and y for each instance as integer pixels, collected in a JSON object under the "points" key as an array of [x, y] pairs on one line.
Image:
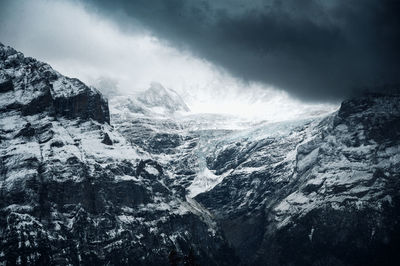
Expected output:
{"points": [[82, 43]]}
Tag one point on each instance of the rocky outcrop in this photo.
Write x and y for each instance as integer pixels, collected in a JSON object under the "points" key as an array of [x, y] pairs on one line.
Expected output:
{"points": [[6, 86], [33, 87]]}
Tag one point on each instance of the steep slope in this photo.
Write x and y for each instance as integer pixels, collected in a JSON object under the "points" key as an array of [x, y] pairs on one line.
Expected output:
{"points": [[74, 191], [323, 193]]}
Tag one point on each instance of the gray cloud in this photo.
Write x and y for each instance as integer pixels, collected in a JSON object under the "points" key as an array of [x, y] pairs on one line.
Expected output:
{"points": [[315, 50]]}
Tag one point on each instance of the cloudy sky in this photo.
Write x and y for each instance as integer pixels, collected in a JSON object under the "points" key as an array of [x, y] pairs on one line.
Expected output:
{"points": [[235, 56]]}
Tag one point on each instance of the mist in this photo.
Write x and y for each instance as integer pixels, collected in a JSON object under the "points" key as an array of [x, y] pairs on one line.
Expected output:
{"points": [[83, 43]]}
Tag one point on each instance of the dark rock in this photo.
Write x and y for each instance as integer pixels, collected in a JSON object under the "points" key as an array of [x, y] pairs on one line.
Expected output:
{"points": [[334, 237], [44, 133], [85, 105], [36, 93], [56, 144], [164, 142], [26, 131], [107, 140], [39, 104], [354, 106], [6, 86]]}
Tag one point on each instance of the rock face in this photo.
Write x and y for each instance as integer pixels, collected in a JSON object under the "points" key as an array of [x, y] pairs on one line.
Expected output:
{"points": [[157, 187], [73, 191], [34, 87], [323, 193]]}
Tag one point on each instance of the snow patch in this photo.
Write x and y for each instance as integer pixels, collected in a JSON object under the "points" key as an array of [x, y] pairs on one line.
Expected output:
{"points": [[204, 181], [151, 170]]}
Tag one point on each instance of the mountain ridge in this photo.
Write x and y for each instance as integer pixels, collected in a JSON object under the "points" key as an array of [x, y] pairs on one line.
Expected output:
{"points": [[74, 191], [83, 185]]}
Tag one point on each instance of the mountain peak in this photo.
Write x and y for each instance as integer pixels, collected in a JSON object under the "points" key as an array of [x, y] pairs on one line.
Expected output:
{"points": [[159, 96], [33, 87]]}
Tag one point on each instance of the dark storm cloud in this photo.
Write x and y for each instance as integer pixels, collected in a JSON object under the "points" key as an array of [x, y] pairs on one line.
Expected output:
{"points": [[312, 49]]}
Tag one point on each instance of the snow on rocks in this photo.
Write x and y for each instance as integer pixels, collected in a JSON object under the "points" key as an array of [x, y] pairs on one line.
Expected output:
{"points": [[62, 185]]}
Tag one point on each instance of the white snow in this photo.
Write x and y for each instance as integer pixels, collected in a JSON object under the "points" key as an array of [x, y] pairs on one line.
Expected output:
{"points": [[204, 181], [151, 170], [126, 219], [307, 160], [128, 178], [310, 236]]}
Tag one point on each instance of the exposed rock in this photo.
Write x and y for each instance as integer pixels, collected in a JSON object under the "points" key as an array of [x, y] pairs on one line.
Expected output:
{"points": [[67, 199], [33, 87], [325, 193], [6, 86], [87, 104], [26, 131], [107, 140]]}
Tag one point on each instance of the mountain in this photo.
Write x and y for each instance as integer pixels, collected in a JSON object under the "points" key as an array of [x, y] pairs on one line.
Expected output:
{"points": [[158, 96], [318, 191], [154, 101], [73, 190], [323, 192], [148, 183]]}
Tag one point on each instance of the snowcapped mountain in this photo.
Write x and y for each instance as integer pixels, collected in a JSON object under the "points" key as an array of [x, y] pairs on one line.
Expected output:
{"points": [[158, 96], [326, 187], [155, 101], [75, 191], [320, 192], [147, 180]]}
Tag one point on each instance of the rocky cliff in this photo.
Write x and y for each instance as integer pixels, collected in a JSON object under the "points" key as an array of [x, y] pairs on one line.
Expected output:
{"points": [[322, 193]]}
